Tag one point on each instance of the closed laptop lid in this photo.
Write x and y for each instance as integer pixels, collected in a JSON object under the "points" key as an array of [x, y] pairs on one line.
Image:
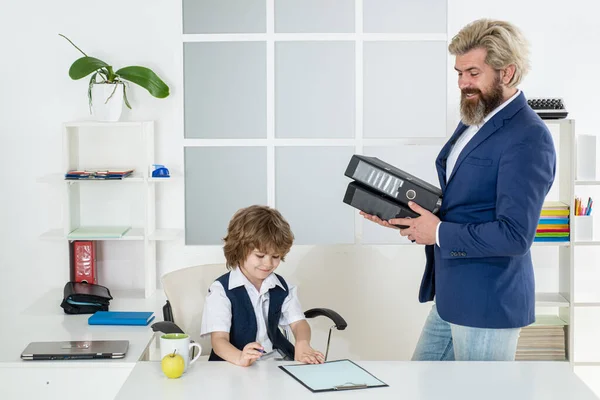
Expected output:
{"points": [[80, 349]]}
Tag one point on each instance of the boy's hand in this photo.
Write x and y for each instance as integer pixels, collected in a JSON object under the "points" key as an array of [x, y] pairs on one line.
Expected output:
{"points": [[250, 354], [308, 355]]}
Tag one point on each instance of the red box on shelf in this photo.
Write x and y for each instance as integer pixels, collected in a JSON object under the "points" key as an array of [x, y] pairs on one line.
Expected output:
{"points": [[83, 261]]}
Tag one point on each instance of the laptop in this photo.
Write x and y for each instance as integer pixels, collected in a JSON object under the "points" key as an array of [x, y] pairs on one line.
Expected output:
{"points": [[75, 350]]}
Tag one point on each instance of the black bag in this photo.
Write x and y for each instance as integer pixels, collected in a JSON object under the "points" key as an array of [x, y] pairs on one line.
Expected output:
{"points": [[85, 298]]}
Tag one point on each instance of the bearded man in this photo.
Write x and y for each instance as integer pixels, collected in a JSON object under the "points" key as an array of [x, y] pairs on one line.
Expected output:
{"points": [[494, 172]]}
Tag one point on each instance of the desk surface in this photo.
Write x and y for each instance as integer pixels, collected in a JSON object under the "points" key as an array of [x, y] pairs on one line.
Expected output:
{"points": [[45, 321], [406, 380]]}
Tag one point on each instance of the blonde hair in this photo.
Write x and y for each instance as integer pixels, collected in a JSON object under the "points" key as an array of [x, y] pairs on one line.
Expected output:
{"points": [[256, 227], [504, 42]]}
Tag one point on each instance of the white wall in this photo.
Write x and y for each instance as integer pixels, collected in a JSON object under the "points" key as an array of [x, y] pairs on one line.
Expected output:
{"points": [[374, 287]]}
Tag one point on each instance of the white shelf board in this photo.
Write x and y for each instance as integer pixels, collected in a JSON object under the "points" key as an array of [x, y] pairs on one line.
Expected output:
{"points": [[58, 234], [99, 124], [60, 178], [551, 244], [134, 177], [550, 300], [166, 234], [587, 304], [53, 234], [175, 177], [587, 243], [51, 178], [587, 364], [587, 183]]}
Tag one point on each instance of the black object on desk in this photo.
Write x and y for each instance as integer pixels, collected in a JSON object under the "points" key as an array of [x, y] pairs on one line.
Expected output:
{"points": [[548, 108], [85, 298]]}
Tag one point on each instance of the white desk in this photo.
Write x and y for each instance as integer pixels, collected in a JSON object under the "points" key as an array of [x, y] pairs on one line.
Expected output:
{"points": [[46, 321], [407, 380]]}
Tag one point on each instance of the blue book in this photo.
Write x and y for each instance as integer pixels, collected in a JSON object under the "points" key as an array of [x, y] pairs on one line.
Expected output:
{"points": [[551, 239], [554, 221], [121, 318]]}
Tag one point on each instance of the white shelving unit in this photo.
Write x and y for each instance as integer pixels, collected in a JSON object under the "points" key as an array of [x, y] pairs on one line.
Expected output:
{"points": [[564, 300], [130, 201]]}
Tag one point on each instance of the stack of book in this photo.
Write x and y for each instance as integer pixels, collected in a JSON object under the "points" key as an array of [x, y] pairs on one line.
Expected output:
{"points": [[98, 174], [544, 340], [554, 223]]}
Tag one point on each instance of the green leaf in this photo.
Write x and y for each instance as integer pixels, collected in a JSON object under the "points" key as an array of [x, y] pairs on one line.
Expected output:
{"points": [[85, 66], [146, 78]]}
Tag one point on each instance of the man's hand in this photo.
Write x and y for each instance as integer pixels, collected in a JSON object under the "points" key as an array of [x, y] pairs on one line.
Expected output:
{"points": [[421, 229], [377, 220]]}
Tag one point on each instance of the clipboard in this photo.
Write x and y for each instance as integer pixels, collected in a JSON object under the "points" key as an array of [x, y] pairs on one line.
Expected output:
{"points": [[333, 376]]}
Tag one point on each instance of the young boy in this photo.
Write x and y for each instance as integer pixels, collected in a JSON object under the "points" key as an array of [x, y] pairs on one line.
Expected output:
{"points": [[245, 307]]}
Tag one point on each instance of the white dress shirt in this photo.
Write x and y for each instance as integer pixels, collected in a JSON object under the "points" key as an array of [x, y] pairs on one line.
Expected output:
{"points": [[217, 315], [462, 142]]}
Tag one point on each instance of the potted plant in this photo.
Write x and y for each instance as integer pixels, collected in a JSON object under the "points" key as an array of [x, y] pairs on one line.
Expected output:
{"points": [[107, 88]]}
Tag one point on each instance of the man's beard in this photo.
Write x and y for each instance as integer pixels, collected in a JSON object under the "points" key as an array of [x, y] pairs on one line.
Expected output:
{"points": [[473, 112]]}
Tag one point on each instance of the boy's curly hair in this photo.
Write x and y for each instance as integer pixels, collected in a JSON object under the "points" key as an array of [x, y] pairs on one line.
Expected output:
{"points": [[256, 227]]}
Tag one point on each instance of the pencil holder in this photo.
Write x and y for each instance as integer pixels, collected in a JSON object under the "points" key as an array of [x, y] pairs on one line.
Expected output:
{"points": [[584, 227]]}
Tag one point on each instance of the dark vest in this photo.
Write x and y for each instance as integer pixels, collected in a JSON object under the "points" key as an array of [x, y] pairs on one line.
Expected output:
{"points": [[243, 319]]}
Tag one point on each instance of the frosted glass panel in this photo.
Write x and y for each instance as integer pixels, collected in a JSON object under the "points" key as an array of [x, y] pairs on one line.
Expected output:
{"points": [[225, 90], [314, 89], [405, 16], [320, 16], [224, 16], [416, 160], [309, 189], [218, 182], [404, 89]]}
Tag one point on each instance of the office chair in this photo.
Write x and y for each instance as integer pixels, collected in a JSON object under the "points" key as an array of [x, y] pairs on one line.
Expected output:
{"points": [[186, 290]]}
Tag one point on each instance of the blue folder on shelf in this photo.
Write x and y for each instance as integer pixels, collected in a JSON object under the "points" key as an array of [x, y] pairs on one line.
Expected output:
{"points": [[121, 318]]}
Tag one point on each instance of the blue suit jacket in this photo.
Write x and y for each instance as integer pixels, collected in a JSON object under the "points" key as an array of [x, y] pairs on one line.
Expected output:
{"points": [[482, 274]]}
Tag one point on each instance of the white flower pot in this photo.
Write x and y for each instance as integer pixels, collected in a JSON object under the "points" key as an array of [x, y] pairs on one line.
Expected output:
{"points": [[107, 101]]}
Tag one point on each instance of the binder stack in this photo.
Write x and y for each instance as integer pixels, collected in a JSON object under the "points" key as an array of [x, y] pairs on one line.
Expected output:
{"points": [[554, 223], [545, 340], [383, 190]]}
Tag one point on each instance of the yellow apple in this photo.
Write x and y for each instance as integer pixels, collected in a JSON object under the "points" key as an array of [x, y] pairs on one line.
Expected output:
{"points": [[172, 365]]}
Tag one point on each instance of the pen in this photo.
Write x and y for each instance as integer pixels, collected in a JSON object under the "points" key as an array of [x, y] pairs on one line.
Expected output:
{"points": [[261, 351]]}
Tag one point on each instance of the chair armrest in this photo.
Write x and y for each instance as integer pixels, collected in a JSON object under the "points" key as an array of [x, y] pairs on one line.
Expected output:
{"points": [[166, 327], [167, 312], [340, 323]]}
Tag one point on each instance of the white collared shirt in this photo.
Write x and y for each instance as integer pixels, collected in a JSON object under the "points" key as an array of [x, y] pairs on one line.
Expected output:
{"points": [[462, 142], [217, 315]]}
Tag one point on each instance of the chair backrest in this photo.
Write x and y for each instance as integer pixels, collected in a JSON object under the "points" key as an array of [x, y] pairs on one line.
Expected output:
{"points": [[186, 290]]}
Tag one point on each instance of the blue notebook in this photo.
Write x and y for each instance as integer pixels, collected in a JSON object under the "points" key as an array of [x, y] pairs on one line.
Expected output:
{"points": [[121, 318]]}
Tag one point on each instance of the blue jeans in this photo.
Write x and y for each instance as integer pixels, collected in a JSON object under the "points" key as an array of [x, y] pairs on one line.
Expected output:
{"points": [[443, 341]]}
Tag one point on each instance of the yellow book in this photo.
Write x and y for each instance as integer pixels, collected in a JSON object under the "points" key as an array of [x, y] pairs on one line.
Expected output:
{"points": [[555, 212]]}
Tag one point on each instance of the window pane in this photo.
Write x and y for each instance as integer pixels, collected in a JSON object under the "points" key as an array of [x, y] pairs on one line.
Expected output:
{"points": [[224, 16], [320, 16], [416, 160], [405, 16], [404, 89], [218, 182], [225, 90], [314, 89], [309, 189]]}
